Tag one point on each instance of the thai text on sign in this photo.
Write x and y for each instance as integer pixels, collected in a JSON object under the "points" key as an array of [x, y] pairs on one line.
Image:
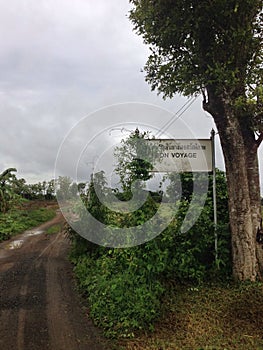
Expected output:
{"points": [[183, 155]]}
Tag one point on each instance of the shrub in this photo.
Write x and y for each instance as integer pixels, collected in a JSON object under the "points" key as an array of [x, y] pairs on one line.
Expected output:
{"points": [[122, 298], [124, 286]]}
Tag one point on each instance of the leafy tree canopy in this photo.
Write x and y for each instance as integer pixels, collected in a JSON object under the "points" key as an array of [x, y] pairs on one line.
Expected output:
{"points": [[134, 157], [199, 43], [215, 47]]}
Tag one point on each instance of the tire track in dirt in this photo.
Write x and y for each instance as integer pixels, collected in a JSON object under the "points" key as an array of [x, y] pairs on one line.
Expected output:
{"points": [[39, 306], [22, 317]]}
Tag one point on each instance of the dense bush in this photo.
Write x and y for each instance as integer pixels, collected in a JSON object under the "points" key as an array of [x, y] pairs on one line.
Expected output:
{"points": [[123, 295], [124, 287]]}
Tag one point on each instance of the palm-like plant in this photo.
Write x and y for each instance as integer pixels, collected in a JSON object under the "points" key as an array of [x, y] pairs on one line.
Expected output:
{"points": [[7, 178]]}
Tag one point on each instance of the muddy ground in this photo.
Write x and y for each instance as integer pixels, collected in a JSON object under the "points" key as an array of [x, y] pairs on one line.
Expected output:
{"points": [[40, 308]]}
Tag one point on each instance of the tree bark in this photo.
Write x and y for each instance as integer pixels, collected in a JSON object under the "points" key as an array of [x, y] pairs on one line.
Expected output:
{"points": [[240, 153], [255, 202]]}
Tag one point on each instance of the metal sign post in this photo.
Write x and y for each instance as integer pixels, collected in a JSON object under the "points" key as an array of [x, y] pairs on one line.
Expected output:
{"points": [[214, 193], [188, 155]]}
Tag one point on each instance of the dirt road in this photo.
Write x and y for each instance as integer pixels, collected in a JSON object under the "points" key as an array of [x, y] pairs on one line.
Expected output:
{"points": [[39, 307]]}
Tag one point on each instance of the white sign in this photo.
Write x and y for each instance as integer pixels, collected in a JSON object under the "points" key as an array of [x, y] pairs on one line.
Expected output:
{"points": [[192, 155]]}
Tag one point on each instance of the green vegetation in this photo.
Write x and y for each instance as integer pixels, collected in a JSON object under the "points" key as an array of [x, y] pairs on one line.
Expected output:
{"points": [[122, 296], [53, 229], [41, 190], [8, 197], [13, 190], [17, 210], [18, 220], [212, 317], [134, 160], [125, 287], [214, 48]]}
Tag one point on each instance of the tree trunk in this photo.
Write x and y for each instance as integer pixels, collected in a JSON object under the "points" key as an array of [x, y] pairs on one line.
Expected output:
{"points": [[255, 198], [240, 153]]}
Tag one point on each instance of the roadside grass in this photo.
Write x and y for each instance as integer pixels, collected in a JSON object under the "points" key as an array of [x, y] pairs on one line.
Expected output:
{"points": [[53, 229], [206, 318], [18, 220]]}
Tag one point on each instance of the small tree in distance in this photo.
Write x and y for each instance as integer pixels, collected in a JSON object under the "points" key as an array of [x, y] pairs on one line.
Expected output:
{"points": [[134, 157]]}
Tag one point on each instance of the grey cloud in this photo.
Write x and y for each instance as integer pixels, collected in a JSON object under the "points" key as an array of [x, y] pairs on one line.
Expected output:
{"points": [[60, 61]]}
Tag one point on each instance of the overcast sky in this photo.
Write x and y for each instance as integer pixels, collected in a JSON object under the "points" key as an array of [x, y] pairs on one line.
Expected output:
{"points": [[60, 62]]}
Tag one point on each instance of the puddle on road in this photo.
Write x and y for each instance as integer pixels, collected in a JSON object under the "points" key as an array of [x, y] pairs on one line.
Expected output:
{"points": [[15, 244], [33, 232]]}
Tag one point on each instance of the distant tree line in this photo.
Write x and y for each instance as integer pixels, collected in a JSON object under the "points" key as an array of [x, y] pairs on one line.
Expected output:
{"points": [[13, 190]]}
